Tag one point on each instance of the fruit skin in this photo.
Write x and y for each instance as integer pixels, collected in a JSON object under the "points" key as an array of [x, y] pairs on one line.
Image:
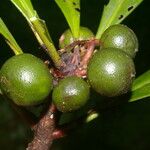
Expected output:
{"points": [[67, 37], [25, 79], [70, 94], [122, 37], [111, 72]]}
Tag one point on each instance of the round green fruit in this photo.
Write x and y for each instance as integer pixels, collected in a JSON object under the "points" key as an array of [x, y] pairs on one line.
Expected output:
{"points": [[122, 37], [25, 79], [70, 94], [111, 72], [67, 37]]}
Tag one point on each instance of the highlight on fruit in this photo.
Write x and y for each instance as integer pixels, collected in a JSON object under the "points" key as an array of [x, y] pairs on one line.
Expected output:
{"points": [[111, 72], [25, 79], [122, 37], [70, 94], [106, 67]]}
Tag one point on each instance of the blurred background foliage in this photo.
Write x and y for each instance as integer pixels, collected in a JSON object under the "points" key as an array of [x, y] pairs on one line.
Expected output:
{"points": [[124, 127]]}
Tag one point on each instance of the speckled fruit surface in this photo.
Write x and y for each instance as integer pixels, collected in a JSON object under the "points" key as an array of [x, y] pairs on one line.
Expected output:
{"points": [[70, 94], [25, 79], [111, 72], [122, 37]]}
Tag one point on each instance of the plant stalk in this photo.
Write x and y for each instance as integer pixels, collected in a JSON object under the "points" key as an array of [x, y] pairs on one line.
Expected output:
{"points": [[50, 48]]}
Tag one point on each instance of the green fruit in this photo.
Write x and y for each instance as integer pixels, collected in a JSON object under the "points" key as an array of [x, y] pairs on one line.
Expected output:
{"points": [[122, 37], [25, 79], [70, 94], [111, 72], [67, 37]]}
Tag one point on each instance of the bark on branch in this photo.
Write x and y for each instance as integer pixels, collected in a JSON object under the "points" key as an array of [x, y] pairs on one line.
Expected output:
{"points": [[43, 131]]}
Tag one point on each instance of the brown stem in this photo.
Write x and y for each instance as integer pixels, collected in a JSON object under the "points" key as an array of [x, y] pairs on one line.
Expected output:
{"points": [[43, 131], [90, 47]]}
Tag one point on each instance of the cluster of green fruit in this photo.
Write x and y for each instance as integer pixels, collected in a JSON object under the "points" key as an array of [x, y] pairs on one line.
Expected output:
{"points": [[27, 80], [111, 70]]}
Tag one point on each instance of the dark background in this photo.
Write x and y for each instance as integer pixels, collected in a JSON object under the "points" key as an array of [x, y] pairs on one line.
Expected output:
{"points": [[124, 127]]}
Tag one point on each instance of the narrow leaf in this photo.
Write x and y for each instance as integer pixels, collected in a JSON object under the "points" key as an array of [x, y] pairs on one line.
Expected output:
{"points": [[27, 10], [39, 28], [71, 11], [140, 93], [141, 81], [25, 7], [115, 12], [9, 38]]}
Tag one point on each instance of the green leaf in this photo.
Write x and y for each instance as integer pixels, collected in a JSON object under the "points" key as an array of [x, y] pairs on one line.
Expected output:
{"points": [[27, 10], [39, 28], [9, 38], [141, 81], [140, 93], [141, 87], [115, 12], [25, 7], [71, 11]]}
